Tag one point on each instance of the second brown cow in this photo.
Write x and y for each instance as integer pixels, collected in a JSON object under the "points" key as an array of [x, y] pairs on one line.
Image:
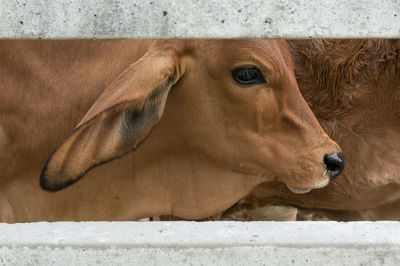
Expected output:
{"points": [[353, 87]]}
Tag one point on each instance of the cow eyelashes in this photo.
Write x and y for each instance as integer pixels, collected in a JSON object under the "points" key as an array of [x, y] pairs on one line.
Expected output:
{"points": [[248, 75]]}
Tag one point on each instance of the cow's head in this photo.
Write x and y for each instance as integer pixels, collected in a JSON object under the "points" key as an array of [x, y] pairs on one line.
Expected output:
{"points": [[234, 103]]}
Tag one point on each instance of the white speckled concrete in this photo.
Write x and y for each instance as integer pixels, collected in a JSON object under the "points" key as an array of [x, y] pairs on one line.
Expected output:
{"points": [[208, 243], [199, 19]]}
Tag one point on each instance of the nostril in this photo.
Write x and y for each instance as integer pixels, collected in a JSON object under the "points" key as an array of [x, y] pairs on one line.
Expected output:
{"points": [[334, 164]]}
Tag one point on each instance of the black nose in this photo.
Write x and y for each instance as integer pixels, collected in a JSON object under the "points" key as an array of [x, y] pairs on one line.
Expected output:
{"points": [[334, 164]]}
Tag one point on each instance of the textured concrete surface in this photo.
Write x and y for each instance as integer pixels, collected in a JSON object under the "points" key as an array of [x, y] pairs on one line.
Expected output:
{"points": [[208, 243], [199, 19]]}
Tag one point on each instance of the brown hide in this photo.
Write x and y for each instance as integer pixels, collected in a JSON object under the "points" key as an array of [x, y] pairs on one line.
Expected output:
{"points": [[205, 140], [353, 87]]}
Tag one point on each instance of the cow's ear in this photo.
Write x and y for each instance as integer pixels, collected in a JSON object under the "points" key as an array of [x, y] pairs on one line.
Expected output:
{"points": [[117, 122]]}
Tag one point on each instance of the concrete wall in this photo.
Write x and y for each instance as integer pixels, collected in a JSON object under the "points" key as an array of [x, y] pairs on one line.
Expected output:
{"points": [[200, 19], [208, 243]]}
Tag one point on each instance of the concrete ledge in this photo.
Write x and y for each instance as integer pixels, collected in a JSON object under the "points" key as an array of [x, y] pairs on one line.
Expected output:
{"points": [[208, 243], [199, 19]]}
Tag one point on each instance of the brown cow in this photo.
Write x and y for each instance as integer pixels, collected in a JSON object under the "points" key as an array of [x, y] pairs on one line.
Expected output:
{"points": [[213, 119], [353, 87]]}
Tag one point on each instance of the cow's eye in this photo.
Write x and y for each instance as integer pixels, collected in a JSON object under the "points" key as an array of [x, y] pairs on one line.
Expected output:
{"points": [[248, 75]]}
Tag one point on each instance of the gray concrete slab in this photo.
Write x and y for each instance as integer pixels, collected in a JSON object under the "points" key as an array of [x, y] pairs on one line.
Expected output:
{"points": [[208, 243], [199, 19]]}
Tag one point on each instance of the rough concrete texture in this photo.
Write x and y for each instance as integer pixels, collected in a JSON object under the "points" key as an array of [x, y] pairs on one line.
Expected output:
{"points": [[199, 19], [208, 243]]}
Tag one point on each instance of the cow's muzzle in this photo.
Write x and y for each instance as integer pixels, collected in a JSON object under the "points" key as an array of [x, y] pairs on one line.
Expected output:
{"points": [[334, 164]]}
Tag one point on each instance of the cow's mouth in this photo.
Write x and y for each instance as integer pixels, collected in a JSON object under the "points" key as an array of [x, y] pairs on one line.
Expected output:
{"points": [[298, 191], [321, 184]]}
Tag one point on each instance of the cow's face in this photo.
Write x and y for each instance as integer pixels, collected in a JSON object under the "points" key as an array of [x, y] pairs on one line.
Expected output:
{"points": [[234, 102], [239, 104]]}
